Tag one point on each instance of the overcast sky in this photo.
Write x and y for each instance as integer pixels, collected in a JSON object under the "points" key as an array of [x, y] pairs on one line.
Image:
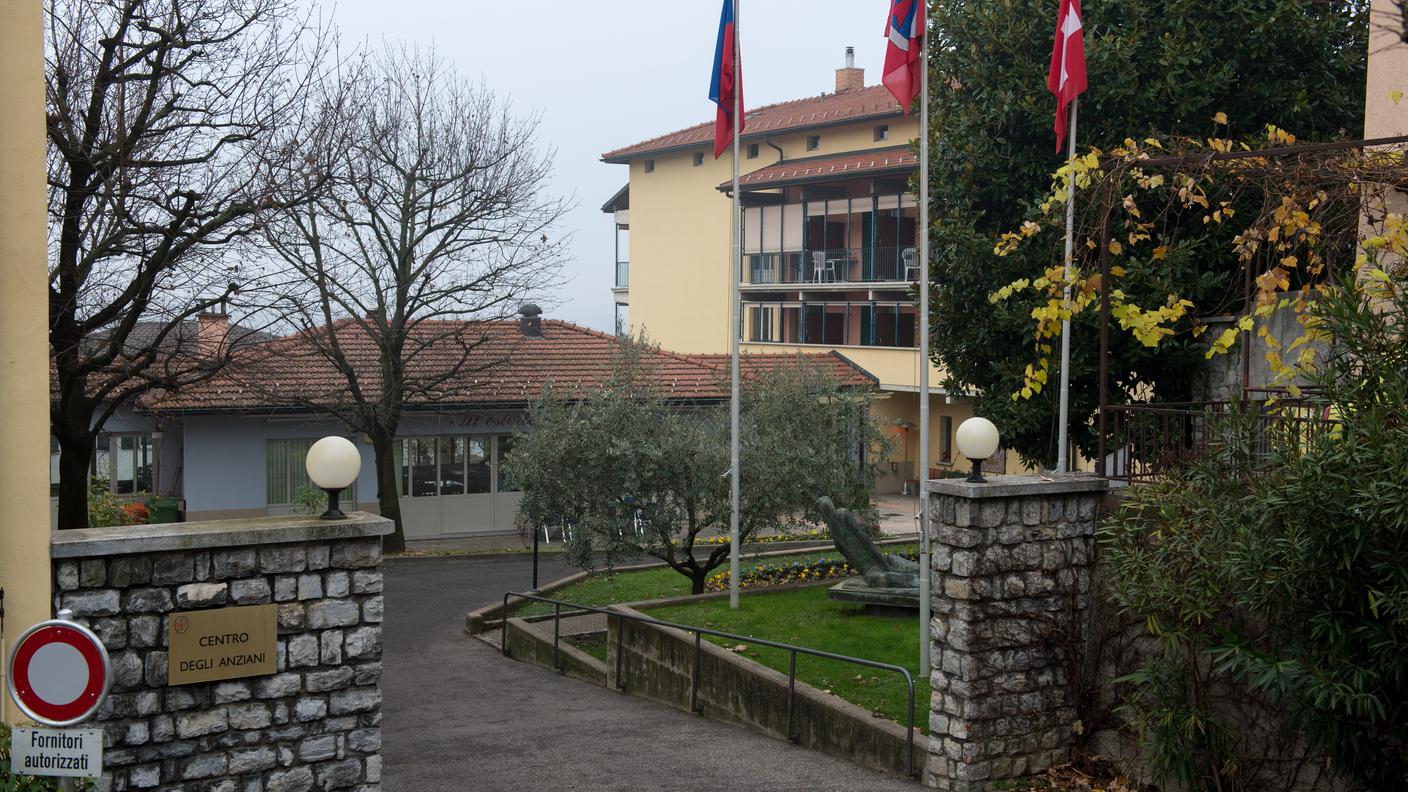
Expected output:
{"points": [[607, 74]]}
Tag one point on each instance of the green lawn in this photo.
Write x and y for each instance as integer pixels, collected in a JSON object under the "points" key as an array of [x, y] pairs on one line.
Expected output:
{"points": [[806, 617], [647, 584]]}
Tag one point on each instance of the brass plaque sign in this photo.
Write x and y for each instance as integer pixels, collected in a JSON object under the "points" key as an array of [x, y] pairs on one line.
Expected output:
{"points": [[227, 643]]}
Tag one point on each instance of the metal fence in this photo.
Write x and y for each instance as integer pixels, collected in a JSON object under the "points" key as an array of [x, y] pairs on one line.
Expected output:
{"points": [[699, 632], [1146, 441]]}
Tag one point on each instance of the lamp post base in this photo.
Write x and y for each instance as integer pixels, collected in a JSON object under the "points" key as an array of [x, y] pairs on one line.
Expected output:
{"points": [[976, 477], [333, 512]]}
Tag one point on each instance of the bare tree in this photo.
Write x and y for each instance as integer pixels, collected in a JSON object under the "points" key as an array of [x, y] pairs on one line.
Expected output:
{"points": [[173, 127], [437, 220]]}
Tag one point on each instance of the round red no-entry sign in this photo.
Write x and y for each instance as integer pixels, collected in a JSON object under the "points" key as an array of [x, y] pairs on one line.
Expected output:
{"points": [[59, 673]]}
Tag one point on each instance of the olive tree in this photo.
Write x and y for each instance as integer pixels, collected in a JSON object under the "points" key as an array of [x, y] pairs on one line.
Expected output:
{"points": [[629, 471]]}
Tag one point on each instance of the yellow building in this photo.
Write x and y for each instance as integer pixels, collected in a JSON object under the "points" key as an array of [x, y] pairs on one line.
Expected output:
{"points": [[829, 243]]}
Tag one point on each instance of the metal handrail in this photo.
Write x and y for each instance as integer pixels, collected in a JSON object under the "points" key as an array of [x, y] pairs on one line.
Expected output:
{"points": [[699, 632]]}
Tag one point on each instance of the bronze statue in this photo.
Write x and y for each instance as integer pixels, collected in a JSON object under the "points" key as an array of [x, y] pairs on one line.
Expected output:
{"points": [[879, 570]]}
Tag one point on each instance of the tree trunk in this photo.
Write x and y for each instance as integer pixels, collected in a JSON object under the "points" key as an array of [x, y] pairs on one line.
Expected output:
{"points": [[696, 581], [75, 461], [384, 450]]}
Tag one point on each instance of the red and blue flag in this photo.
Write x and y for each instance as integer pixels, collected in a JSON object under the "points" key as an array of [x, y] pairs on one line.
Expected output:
{"points": [[726, 87], [904, 57]]}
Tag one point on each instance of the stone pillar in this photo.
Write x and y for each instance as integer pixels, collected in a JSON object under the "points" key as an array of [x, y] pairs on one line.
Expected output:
{"points": [[314, 724], [1012, 566]]}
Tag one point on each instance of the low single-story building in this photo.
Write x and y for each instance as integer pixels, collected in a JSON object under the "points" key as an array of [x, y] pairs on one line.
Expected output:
{"points": [[234, 445]]}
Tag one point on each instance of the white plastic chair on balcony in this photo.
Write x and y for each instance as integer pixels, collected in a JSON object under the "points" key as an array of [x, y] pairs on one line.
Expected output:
{"points": [[911, 263], [822, 266]]}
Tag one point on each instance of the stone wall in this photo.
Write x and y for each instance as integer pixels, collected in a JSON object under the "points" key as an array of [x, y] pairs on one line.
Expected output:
{"points": [[1012, 563], [315, 724]]}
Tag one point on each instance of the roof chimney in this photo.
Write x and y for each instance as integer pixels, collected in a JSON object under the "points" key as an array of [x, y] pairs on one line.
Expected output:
{"points": [[212, 332], [850, 78], [530, 321]]}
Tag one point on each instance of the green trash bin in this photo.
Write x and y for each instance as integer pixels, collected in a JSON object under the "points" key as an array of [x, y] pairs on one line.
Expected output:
{"points": [[164, 509]]}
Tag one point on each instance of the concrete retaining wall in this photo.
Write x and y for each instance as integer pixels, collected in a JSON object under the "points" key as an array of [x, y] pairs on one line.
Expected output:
{"points": [[657, 665]]}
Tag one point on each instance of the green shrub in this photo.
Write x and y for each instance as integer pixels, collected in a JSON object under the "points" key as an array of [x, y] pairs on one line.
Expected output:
{"points": [[309, 500], [1279, 596], [104, 508]]}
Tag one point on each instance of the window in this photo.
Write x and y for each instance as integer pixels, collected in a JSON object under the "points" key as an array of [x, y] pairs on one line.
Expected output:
{"points": [[285, 472], [882, 132], [449, 465], [479, 469], [452, 450], [127, 462], [946, 439], [752, 151], [813, 142], [760, 323], [505, 482], [132, 471], [698, 158], [650, 166]]}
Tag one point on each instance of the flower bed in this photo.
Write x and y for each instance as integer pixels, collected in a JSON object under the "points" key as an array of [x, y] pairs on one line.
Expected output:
{"points": [[815, 535], [765, 575]]}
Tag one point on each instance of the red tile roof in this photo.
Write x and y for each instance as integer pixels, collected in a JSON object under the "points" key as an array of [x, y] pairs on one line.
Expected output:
{"points": [[817, 111], [289, 374], [898, 160]]}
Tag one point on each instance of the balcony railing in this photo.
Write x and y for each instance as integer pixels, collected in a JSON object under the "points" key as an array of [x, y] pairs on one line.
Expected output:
{"points": [[1144, 442], [876, 264], [623, 274]]}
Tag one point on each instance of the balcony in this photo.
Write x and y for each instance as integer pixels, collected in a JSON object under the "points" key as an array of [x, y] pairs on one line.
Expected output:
{"points": [[850, 323], [623, 275], [889, 264], [858, 238]]}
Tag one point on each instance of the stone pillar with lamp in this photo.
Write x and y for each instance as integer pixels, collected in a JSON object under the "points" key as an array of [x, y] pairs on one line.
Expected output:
{"points": [[1012, 563]]}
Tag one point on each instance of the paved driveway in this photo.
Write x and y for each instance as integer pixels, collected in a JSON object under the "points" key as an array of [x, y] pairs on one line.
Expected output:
{"points": [[460, 716]]}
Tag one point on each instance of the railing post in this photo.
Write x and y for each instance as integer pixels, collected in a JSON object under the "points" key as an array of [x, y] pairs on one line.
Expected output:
{"points": [[792, 691], [503, 628], [620, 633], [909, 732], [694, 676], [556, 633]]}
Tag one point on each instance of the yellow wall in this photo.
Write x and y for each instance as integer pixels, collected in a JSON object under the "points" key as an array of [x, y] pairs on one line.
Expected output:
{"points": [[1388, 72], [24, 393], [894, 368], [681, 225]]}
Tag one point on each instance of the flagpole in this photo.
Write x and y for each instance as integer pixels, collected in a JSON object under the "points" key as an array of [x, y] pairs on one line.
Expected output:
{"points": [[1063, 431], [735, 270], [924, 607]]}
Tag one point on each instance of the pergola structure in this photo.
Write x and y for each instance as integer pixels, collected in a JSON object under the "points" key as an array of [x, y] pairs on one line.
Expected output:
{"points": [[1151, 436]]}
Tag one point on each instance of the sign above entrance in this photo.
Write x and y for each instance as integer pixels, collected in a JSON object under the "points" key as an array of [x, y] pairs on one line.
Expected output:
{"points": [[59, 672], [491, 420], [228, 643]]}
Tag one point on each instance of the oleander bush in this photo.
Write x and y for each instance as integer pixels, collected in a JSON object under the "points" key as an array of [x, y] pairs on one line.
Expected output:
{"points": [[1278, 595]]}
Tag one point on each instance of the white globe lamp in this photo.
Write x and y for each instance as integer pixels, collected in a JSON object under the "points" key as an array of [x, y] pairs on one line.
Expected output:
{"points": [[333, 464], [977, 439]]}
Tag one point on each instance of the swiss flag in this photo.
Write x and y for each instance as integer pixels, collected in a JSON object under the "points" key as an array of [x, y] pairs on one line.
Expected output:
{"points": [[1066, 80]]}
